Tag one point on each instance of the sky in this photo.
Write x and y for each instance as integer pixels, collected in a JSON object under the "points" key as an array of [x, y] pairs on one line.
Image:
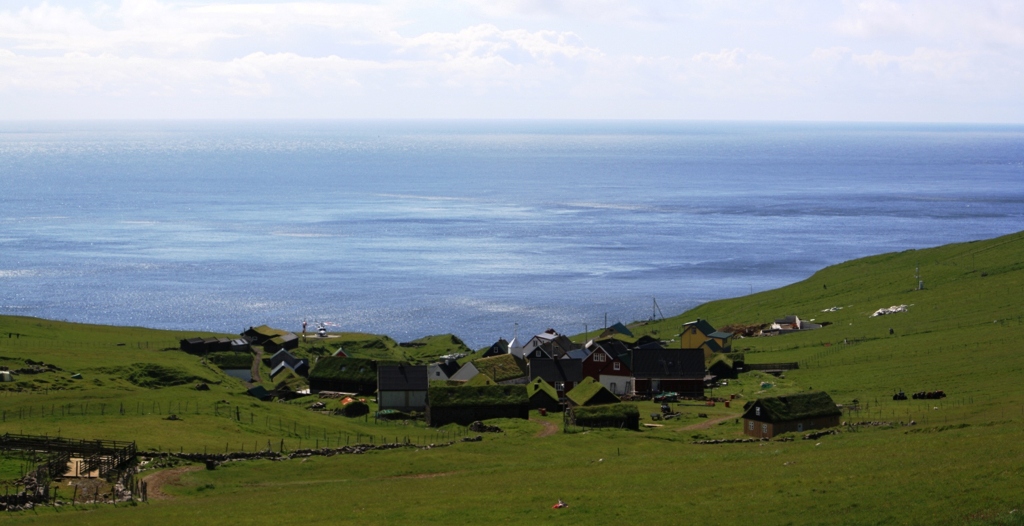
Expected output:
{"points": [[814, 60]]}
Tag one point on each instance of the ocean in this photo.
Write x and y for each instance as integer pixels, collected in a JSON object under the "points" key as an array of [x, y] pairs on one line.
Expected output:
{"points": [[411, 228]]}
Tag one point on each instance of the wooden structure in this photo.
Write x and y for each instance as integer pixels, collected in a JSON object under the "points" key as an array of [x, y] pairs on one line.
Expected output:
{"points": [[402, 387], [768, 417], [102, 456], [659, 370]]}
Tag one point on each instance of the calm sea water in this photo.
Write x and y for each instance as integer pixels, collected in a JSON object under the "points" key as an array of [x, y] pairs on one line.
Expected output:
{"points": [[416, 228]]}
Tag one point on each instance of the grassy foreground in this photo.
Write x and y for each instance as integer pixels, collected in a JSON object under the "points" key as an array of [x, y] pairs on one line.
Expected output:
{"points": [[962, 463]]}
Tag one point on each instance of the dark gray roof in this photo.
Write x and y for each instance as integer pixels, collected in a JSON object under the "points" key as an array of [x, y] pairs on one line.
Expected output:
{"points": [[702, 325], [447, 367], [615, 348], [668, 363], [562, 370], [283, 356], [578, 354], [402, 377], [499, 347]]}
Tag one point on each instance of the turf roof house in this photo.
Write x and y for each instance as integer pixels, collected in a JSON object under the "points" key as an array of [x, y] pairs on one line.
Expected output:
{"points": [[402, 387], [272, 340], [346, 375], [542, 395], [722, 367], [465, 405], [591, 392], [504, 369], [608, 363], [656, 369], [768, 417]]}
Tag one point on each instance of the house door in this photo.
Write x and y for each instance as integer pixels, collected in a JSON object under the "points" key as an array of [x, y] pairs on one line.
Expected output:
{"points": [[611, 387], [800, 426], [656, 385]]}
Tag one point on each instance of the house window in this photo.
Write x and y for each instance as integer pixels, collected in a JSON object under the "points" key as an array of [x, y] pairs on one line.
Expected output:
{"points": [[599, 357], [751, 425], [538, 353], [764, 428], [559, 386], [757, 411], [616, 366]]}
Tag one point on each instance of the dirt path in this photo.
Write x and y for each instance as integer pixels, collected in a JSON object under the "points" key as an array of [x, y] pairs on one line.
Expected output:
{"points": [[255, 369], [158, 480], [708, 423], [549, 428]]}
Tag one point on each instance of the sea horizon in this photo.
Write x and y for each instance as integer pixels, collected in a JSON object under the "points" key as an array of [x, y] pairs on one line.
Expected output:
{"points": [[415, 227]]}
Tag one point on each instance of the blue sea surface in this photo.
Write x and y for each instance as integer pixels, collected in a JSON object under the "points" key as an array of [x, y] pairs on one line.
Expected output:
{"points": [[412, 228]]}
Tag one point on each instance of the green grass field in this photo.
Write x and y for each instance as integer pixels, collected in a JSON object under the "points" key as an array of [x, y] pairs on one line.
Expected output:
{"points": [[962, 463]]}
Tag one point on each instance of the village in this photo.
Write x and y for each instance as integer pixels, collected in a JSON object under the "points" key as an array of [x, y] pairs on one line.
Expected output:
{"points": [[742, 399], [548, 373]]}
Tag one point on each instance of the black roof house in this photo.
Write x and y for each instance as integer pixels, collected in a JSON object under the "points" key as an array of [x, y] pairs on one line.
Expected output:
{"points": [[668, 363], [567, 371], [500, 347], [401, 378]]}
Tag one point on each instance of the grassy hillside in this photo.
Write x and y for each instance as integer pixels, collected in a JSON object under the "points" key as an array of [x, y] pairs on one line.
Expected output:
{"points": [[962, 463]]}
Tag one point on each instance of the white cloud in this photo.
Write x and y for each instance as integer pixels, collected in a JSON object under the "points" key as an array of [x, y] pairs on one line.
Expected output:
{"points": [[991, 22], [936, 62], [509, 58]]}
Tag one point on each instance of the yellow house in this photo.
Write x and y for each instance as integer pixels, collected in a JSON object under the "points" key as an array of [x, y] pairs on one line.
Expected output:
{"points": [[700, 334]]}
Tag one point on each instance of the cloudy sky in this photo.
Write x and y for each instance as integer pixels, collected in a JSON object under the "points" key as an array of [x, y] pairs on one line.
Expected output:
{"points": [[871, 60]]}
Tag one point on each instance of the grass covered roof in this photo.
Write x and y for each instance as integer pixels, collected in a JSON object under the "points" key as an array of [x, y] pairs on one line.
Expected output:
{"points": [[589, 392], [793, 407], [476, 396], [607, 411], [538, 385], [338, 368], [720, 358], [500, 368], [480, 379]]}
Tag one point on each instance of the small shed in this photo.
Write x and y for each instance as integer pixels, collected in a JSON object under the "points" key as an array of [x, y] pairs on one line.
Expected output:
{"points": [[6, 376], [591, 392], [768, 417]]}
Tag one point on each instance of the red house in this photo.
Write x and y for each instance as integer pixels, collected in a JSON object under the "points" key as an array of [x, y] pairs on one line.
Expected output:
{"points": [[607, 362]]}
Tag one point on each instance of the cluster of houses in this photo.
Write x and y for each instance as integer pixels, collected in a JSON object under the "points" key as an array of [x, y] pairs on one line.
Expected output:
{"points": [[551, 368], [547, 372], [624, 365], [267, 338]]}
